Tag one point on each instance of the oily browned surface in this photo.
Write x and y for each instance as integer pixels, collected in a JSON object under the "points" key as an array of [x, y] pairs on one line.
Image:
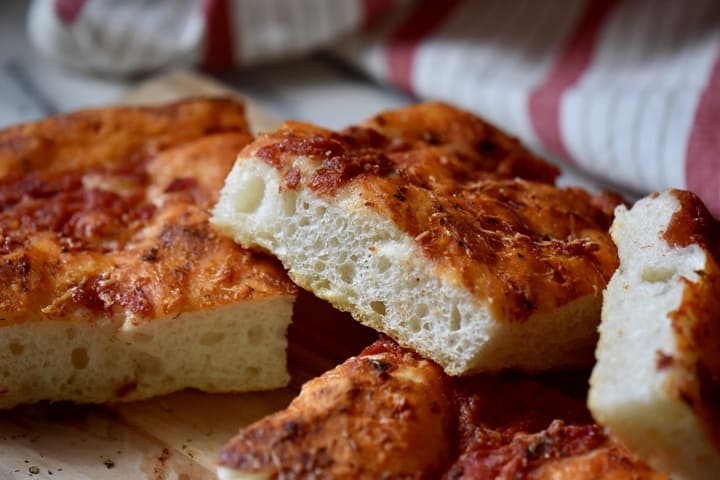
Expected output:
{"points": [[478, 204], [433, 137], [696, 323], [112, 137], [388, 413], [117, 220]]}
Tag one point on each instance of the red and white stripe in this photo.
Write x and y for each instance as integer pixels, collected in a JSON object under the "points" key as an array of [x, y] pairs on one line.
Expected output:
{"points": [[629, 117], [627, 90]]}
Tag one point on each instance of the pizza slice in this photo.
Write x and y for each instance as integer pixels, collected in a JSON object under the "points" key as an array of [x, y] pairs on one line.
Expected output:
{"points": [[431, 226], [116, 286], [389, 413], [656, 384]]}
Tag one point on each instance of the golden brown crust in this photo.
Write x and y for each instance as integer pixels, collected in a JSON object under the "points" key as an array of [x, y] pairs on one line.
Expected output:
{"points": [[359, 420], [388, 413], [117, 221], [462, 144], [695, 375], [488, 217], [112, 137]]}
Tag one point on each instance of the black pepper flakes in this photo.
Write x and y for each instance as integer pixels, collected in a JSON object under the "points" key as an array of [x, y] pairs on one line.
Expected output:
{"points": [[431, 138], [486, 146], [292, 429], [381, 367], [151, 255], [108, 463]]}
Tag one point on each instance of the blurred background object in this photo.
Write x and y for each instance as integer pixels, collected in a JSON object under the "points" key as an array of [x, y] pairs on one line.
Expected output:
{"points": [[625, 91]]}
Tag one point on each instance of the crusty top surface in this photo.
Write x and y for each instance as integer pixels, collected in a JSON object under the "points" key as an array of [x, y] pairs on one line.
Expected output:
{"points": [[388, 413], [479, 205], [695, 377], [106, 210]]}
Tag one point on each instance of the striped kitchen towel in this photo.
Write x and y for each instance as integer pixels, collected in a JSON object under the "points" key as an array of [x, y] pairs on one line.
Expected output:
{"points": [[627, 91]]}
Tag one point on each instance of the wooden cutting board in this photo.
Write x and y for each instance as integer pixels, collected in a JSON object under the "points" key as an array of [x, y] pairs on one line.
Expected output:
{"points": [[177, 436]]}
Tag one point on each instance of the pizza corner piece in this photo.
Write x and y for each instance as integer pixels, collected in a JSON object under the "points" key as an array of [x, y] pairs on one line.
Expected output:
{"points": [[432, 226], [116, 286], [656, 383]]}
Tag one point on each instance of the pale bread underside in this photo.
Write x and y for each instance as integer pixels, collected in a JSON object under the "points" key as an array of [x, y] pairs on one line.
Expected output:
{"points": [[363, 263], [628, 392], [237, 347]]}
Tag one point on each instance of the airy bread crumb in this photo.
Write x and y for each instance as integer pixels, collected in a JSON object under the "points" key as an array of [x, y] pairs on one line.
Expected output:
{"points": [[430, 242], [657, 337], [115, 285], [237, 347]]}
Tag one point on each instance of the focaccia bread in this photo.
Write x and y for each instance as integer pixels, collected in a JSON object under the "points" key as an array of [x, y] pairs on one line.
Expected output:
{"points": [[388, 413], [656, 384], [116, 286], [431, 226]]}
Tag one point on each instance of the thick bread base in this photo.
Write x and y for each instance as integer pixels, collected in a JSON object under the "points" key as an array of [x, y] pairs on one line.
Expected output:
{"points": [[628, 393], [361, 262], [232, 348]]}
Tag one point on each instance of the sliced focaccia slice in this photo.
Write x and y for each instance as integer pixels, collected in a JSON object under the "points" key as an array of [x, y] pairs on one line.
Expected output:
{"points": [[656, 384], [419, 225], [389, 413], [116, 286]]}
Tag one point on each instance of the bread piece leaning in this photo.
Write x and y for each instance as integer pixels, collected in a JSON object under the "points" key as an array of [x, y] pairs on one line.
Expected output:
{"points": [[656, 384], [431, 226], [115, 285]]}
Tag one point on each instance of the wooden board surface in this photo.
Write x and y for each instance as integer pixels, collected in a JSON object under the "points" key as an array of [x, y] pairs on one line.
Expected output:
{"points": [[176, 436]]}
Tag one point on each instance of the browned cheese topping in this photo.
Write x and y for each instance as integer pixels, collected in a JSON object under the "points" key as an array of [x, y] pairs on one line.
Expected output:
{"points": [[388, 413], [697, 322], [479, 205], [107, 210]]}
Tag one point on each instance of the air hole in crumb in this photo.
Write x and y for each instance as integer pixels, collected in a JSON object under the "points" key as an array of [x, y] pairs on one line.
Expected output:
{"points": [[347, 272], [79, 358], [150, 365], [421, 310], [378, 307], [289, 204], [251, 193], [304, 222], [319, 267], [141, 337], [383, 264], [657, 274], [320, 211], [252, 371], [414, 324], [16, 348], [305, 206], [211, 338], [255, 334], [455, 318]]}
